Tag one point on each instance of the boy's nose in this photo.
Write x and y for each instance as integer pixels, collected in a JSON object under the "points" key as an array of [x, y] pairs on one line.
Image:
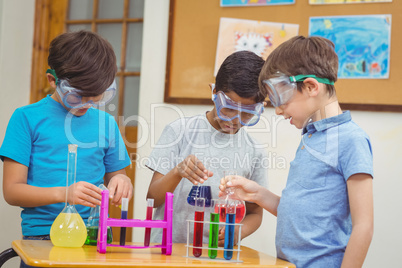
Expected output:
{"points": [[278, 110], [87, 105], [236, 120]]}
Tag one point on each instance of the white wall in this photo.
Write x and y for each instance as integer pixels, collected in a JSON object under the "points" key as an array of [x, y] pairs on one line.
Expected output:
{"points": [[15, 71], [385, 130]]}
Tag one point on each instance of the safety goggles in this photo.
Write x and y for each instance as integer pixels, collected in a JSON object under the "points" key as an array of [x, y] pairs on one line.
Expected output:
{"points": [[71, 96], [228, 110], [281, 88]]}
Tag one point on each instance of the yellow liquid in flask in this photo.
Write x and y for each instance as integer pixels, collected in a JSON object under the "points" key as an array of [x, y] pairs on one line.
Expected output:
{"points": [[68, 230]]}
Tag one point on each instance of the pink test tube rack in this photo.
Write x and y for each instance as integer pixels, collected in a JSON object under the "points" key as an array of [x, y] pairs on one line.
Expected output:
{"points": [[166, 224]]}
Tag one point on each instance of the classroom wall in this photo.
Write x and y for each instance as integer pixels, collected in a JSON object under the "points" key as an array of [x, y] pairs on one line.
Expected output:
{"points": [[16, 34], [385, 130]]}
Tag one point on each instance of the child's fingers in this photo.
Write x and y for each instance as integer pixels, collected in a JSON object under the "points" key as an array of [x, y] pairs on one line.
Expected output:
{"points": [[222, 187], [199, 169], [118, 195], [236, 181], [128, 192], [209, 173], [90, 201], [194, 174]]}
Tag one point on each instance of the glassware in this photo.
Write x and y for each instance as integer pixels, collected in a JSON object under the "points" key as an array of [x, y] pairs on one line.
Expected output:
{"points": [[229, 229], [213, 230], [150, 209], [124, 212], [239, 205], [68, 229], [93, 225], [200, 191], [198, 226]]}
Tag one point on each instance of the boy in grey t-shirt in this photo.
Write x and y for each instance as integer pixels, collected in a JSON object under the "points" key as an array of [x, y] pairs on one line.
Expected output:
{"points": [[196, 150]]}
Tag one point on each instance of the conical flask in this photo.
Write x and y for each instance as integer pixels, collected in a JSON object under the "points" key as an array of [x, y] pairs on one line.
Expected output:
{"points": [[68, 229]]}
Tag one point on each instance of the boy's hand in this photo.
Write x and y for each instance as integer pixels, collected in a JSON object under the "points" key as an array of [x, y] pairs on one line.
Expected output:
{"points": [[84, 193], [120, 187], [192, 169], [243, 188]]}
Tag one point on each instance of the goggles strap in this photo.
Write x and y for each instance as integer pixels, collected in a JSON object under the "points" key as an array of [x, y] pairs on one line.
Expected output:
{"points": [[53, 72], [302, 77]]}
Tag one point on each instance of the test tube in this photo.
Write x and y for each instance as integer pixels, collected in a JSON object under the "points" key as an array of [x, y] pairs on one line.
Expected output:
{"points": [[229, 229], [150, 207], [124, 209], [198, 226], [222, 210], [213, 230]]}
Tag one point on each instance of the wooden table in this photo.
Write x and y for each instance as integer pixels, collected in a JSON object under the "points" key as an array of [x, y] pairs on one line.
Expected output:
{"points": [[44, 254]]}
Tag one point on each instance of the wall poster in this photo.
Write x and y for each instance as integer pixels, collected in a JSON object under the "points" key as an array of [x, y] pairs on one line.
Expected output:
{"points": [[362, 43]]}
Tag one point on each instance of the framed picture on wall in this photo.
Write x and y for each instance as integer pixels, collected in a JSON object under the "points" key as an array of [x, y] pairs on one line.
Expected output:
{"points": [[245, 3], [323, 2], [260, 37], [362, 43]]}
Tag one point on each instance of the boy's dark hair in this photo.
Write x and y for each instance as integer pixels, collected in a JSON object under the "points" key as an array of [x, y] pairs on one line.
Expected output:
{"points": [[239, 73], [85, 59], [303, 55]]}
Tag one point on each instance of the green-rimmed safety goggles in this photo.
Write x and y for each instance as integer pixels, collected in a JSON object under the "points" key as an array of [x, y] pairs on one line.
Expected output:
{"points": [[281, 88]]}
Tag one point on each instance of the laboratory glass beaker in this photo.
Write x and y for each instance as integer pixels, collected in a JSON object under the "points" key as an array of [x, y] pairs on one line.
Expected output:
{"points": [[68, 229], [231, 197]]}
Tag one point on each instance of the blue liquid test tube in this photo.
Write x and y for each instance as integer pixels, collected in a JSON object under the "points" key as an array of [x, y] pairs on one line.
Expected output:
{"points": [[229, 230], [124, 209]]}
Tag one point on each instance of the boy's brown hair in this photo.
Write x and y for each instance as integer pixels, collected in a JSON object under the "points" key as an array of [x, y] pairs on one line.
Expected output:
{"points": [[303, 55], [85, 59]]}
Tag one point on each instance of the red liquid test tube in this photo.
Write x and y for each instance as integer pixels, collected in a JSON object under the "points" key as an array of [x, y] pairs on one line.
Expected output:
{"points": [[198, 226], [222, 212], [240, 211], [150, 209]]}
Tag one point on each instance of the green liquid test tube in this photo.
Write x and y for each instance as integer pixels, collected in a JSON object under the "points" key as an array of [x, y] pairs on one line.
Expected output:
{"points": [[213, 229]]}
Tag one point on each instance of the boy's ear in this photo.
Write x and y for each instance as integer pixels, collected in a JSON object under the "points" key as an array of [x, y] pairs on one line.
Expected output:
{"points": [[213, 89], [311, 86], [51, 80]]}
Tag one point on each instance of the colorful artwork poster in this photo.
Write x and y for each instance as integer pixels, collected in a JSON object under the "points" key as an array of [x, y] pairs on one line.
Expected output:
{"points": [[243, 3], [323, 2], [362, 43], [257, 36]]}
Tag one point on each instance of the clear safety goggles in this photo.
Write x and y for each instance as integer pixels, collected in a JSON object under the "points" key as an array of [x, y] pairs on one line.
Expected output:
{"points": [[228, 110], [281, 88], [71, 96]]}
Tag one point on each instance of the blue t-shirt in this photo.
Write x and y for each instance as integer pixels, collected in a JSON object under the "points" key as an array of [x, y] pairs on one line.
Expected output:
{"points": [[38, 135], [314, 222]]}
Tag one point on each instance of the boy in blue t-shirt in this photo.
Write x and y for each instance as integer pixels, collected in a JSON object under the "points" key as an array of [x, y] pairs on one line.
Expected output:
{"points": [[35, 147], [325, 213]]}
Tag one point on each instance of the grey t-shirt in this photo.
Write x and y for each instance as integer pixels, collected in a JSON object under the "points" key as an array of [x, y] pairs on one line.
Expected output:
{"points": [[217, 151]]}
